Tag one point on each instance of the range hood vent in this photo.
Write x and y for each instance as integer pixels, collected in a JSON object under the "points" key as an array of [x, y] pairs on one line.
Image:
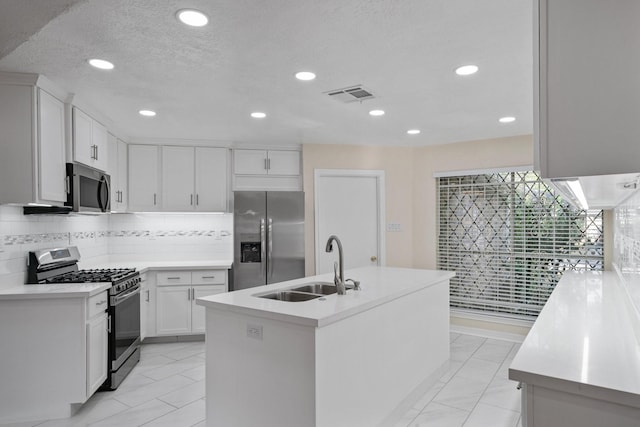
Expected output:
{"points": [[46, 210], [351, 94]]}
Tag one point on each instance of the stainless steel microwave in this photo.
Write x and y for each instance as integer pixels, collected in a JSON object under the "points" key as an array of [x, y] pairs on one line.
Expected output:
{"points": [[88, 189]]}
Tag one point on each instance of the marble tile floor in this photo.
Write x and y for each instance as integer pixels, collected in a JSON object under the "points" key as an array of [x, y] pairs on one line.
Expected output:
{"points": [[167, 389]]}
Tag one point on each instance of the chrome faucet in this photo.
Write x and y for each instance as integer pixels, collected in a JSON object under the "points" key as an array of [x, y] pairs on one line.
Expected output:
{"points": [[337, 279]]}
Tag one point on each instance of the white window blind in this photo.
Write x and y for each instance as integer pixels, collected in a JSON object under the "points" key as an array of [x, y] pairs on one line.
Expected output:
{"points": [[509, 238]]}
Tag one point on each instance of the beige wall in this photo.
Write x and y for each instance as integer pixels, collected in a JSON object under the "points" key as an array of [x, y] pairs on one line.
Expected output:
{"points": [[484, 154], [397, 164], [410, 186]]}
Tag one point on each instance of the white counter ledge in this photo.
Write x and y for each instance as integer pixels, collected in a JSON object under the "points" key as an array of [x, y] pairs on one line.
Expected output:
{"points": [[143, 266], [379, 285], [583, 343], [57, 290]]}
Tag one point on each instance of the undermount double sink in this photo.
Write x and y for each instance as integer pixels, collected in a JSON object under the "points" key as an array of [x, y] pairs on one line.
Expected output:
{"points": [[305, 292]]}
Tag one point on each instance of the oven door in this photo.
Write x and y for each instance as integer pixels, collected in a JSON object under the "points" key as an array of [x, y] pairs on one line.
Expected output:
{"points": [[125, 326]]}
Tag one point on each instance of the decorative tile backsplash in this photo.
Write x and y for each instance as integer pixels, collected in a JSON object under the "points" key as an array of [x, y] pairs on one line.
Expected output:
{"points": [[119, 237]]}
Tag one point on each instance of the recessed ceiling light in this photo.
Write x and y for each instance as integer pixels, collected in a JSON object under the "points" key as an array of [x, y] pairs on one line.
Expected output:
{"points": [[101, 63], [466, 70], [193, 18], [413, 131], [507, 119], [147, 113], [258, 115], [305, 75], [377, 112]]}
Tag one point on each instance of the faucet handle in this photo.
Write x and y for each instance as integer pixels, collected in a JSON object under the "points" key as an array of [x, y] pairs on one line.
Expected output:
{"points": [[356, 284]]}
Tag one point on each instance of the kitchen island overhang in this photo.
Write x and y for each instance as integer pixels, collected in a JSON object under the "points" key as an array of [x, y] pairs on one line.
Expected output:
{"points": [[356, 359]]}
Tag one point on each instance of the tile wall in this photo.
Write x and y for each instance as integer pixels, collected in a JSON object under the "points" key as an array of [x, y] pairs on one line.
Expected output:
{"points": [[116, 237], [626, 245]]}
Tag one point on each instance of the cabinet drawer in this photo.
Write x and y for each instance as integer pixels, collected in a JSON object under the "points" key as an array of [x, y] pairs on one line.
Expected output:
{"points": [[207, 277], [97, 304], [174, 278]]}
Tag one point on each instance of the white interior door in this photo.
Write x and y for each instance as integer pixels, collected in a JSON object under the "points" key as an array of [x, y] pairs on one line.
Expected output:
{"points": [[349, 204]]}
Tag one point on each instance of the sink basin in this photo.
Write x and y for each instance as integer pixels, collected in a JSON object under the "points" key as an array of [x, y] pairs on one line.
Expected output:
{"points": [[290, 296], [322, 288]]}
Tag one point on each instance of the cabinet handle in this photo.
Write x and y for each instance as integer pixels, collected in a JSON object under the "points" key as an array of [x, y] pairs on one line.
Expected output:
{"points": [[208, 277], [197, 199], [147, 295], [173, 278], [97, 152], [98, 304], [268, 163], [192, 200], [154, 199], [265, 164]]}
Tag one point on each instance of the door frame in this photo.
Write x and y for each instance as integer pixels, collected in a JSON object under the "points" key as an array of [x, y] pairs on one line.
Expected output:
{"points": [[381, 208]]}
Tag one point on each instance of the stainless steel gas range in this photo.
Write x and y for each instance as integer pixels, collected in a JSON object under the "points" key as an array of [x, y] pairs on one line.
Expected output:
{"points": [[60, 265]]}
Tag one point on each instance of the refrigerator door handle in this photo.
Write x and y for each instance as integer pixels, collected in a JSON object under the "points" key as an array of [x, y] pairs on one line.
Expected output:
{"points": [[270, 246], [263, 249]]}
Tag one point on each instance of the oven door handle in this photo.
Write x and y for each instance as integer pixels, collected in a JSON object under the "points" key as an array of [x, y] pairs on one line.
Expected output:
{"points": [[118, 299]]}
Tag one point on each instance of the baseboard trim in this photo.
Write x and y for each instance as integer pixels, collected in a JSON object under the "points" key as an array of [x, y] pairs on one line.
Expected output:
{"points": [[486, 333], [177, 338]]}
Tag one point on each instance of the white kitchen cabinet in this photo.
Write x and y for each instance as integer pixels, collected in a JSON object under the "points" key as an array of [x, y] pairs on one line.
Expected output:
{"points": [[177, 291], [266, 162], [90, 141], [266, 170], [144, 178], [97, 352], [32, 141], [586, 104], [194, 179], [119, 173], [147, 305]]}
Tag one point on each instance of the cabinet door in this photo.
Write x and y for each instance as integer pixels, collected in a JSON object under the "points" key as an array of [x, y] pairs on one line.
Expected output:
{"points": [[250, 162], [198, 320], [122, 173], [51, 143], [148, 305], [97, 364], [284, 162], [211, 179], [177, 179], [83, 150], [173, 310], [99, 137], [112, 170], [143, 178]]}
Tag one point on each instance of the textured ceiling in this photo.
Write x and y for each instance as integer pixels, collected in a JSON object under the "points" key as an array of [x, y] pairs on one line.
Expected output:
{"points": [[204, 82]]}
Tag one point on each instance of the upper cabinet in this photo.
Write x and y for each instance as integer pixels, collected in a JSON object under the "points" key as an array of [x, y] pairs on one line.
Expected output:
{"points": [[144, 178], [119, 173], [586, 87], [90, 141], [194, 179], [266, 170], [32, 141]]}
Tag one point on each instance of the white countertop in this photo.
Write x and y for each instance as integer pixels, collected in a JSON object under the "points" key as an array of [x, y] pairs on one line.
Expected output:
{"points": [[143, 266], [71, 290], [57, 290], [584, 341], [379, 285]]}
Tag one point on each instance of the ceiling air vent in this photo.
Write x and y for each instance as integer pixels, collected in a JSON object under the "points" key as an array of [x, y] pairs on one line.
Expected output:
{"points": [[351, 94]]}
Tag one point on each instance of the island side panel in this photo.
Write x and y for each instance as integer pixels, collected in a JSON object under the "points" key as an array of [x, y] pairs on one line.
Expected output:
{"points": [[252, 381], [369, 363]]}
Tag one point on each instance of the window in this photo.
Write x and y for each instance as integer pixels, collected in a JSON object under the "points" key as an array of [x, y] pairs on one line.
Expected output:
{"points": [[509, 238]]}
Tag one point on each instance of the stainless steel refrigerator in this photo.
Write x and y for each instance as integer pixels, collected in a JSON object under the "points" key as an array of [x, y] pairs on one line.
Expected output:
{"points": [[268, 242]]}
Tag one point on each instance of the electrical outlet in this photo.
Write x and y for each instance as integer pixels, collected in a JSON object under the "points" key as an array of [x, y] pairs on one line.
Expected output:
{"points": [[394, 227], [254, 331]]}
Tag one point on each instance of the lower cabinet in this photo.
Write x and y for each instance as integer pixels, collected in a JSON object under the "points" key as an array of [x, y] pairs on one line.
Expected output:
{"points": [[97, 342], [175, 293]]}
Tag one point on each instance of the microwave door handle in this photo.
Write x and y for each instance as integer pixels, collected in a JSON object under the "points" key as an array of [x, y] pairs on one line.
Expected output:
{"points": [[103, 206]]}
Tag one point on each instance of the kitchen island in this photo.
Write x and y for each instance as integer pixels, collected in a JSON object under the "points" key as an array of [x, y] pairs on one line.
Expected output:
{"points": [[359, 359]]}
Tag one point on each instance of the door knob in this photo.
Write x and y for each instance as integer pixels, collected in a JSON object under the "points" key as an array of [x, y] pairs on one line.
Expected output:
{"points": [[374, 258]]}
